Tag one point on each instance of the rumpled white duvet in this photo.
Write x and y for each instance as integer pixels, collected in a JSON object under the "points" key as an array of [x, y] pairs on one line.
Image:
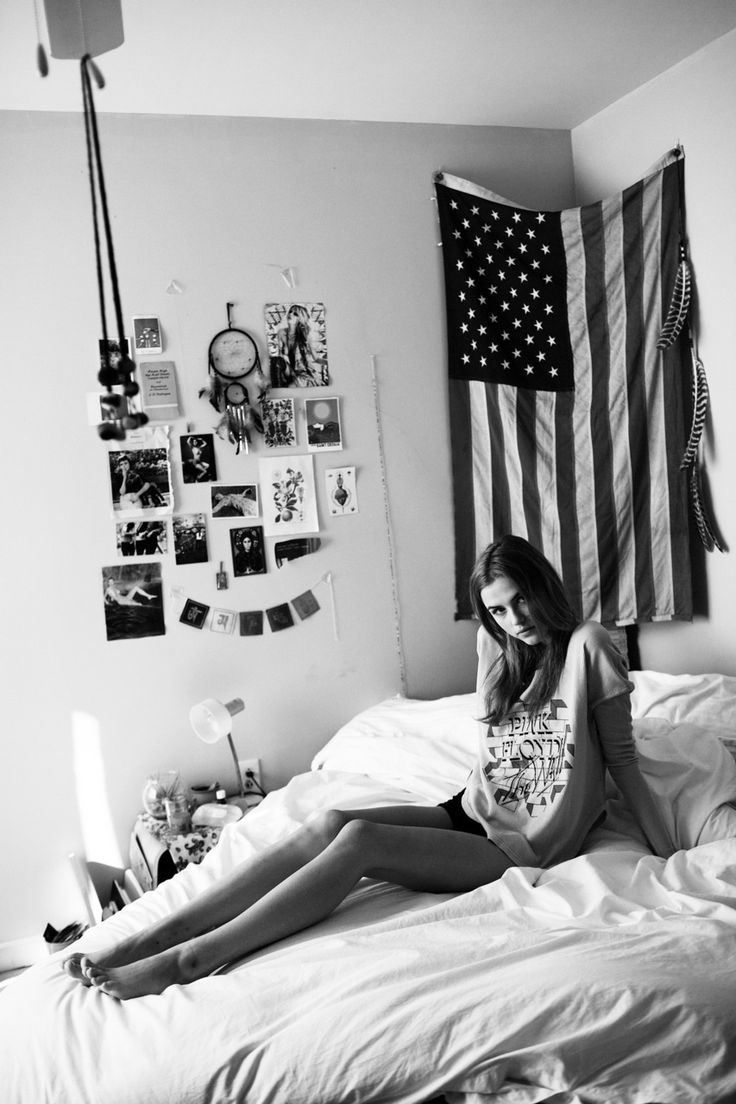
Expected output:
{"points": [[609, 978]]}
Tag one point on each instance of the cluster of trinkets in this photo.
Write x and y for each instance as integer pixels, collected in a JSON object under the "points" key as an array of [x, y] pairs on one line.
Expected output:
{"points": [[117, 417]]}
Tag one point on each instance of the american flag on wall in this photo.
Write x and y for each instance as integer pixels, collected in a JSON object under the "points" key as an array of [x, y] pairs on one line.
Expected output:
{"points": [[567, 421]]}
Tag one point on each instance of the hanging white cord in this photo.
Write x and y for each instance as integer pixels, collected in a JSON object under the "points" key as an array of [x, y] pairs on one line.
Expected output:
{"points": [[389, 530], [328, 580]]}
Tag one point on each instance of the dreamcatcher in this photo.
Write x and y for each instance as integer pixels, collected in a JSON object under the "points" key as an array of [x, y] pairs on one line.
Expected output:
{"points": [[232, 359]]}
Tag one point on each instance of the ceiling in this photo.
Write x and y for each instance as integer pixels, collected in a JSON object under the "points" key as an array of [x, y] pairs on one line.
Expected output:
{"points": [[530, 63]]}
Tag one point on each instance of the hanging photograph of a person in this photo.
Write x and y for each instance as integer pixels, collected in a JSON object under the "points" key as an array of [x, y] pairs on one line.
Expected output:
{"points": [[248, 552], [140, 481], [133, 601]]}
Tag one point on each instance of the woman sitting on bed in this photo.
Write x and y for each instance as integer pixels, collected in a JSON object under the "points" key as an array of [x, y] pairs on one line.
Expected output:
{"points": [[556, 713]]}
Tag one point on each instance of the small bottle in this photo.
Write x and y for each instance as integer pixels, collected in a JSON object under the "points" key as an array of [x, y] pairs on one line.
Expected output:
{"points": [[220, 795]]}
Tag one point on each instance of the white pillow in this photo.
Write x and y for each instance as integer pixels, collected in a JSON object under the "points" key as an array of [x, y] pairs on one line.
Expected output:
{"points": [[692, 776], [426, 747], [705, 700]]}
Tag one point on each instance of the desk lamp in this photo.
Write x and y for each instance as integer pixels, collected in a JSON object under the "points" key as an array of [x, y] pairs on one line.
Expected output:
{"points": [[211, 720]]}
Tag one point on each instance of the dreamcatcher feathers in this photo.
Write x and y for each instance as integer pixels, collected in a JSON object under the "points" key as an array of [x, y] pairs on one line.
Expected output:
{"points": [[677, 317], [690, 455], [705, 532], [679, 304], [700, 408]]}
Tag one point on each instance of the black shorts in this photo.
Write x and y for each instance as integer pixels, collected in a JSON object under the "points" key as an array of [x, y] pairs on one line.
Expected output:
{"points": [[461, 822]]}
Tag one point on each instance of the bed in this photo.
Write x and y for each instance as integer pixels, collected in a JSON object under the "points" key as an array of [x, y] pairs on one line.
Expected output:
{"points": [[608, 978]]}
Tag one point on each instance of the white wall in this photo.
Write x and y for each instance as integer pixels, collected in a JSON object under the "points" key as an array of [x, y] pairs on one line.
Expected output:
{"points": [[693, 103], [213, 203]]}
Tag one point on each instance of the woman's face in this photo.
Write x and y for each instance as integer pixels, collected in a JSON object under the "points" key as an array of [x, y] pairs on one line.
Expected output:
{"points": [[508, 608]]}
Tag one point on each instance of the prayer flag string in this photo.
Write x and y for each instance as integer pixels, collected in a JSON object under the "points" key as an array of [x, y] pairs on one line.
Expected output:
{"points": [[200, 615]]}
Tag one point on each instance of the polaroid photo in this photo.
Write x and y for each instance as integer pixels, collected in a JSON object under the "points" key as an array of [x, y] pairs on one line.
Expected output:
{"points": [[324, 429], [147, 336]]}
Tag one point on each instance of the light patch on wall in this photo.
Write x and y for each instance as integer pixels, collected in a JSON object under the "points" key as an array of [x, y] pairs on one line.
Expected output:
{"points": [[98, 834]]}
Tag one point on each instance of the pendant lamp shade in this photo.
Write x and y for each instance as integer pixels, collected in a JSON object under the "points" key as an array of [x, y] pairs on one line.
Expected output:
{"points": [[79, 27]]}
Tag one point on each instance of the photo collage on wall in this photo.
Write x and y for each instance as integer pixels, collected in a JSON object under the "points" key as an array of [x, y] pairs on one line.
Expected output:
{"points": [[271, 514]]}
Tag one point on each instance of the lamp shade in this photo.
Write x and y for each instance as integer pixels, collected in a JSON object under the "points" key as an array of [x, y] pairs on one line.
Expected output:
{"points": [[212, 719], [79, 27]]}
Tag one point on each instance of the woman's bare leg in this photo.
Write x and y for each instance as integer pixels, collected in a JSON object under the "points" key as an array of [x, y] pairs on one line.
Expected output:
{"points": [[416, 857], [246, 884]]}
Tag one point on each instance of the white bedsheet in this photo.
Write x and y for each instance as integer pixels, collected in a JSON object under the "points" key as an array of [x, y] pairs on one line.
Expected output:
{"points": [[610, 978]]}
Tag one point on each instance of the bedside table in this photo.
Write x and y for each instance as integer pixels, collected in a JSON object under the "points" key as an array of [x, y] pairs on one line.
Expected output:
{"points": [[157, 854]]}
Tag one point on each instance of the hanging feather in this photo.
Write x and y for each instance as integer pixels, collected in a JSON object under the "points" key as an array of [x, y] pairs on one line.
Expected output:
{"points": [[261, 382], [237, 419], [705, 532], [700, 409], [679, 304]]}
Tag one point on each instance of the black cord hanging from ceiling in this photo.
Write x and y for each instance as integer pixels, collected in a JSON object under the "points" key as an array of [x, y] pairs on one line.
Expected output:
{"points": [[117, 416]]}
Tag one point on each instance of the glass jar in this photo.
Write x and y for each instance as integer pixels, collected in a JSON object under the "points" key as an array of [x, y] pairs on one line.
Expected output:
{"points": [[160, 786], [177, 814]]}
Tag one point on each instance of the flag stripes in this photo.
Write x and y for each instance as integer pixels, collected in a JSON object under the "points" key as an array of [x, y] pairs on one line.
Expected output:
{"points": [[590, 475]]}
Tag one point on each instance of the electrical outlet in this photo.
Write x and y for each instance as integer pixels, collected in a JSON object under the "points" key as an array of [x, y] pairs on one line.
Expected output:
{"points": [[250, 770]]}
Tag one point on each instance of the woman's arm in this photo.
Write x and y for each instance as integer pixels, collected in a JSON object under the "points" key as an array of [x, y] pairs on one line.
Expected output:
{"points": [[638, 797], [613, 721]]}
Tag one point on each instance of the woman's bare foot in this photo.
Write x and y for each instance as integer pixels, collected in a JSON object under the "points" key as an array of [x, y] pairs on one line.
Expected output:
{"points": [[122, 954], [175, 966]]}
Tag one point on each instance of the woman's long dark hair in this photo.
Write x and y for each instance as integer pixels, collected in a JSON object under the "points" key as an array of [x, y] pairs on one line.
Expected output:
{"points": [[512, 671]]}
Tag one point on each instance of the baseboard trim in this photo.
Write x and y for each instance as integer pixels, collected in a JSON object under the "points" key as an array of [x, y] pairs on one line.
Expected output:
{"points": [[19, 953]]}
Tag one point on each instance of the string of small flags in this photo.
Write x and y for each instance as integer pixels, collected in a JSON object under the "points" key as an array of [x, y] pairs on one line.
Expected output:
{"points": [[200, 615]]}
